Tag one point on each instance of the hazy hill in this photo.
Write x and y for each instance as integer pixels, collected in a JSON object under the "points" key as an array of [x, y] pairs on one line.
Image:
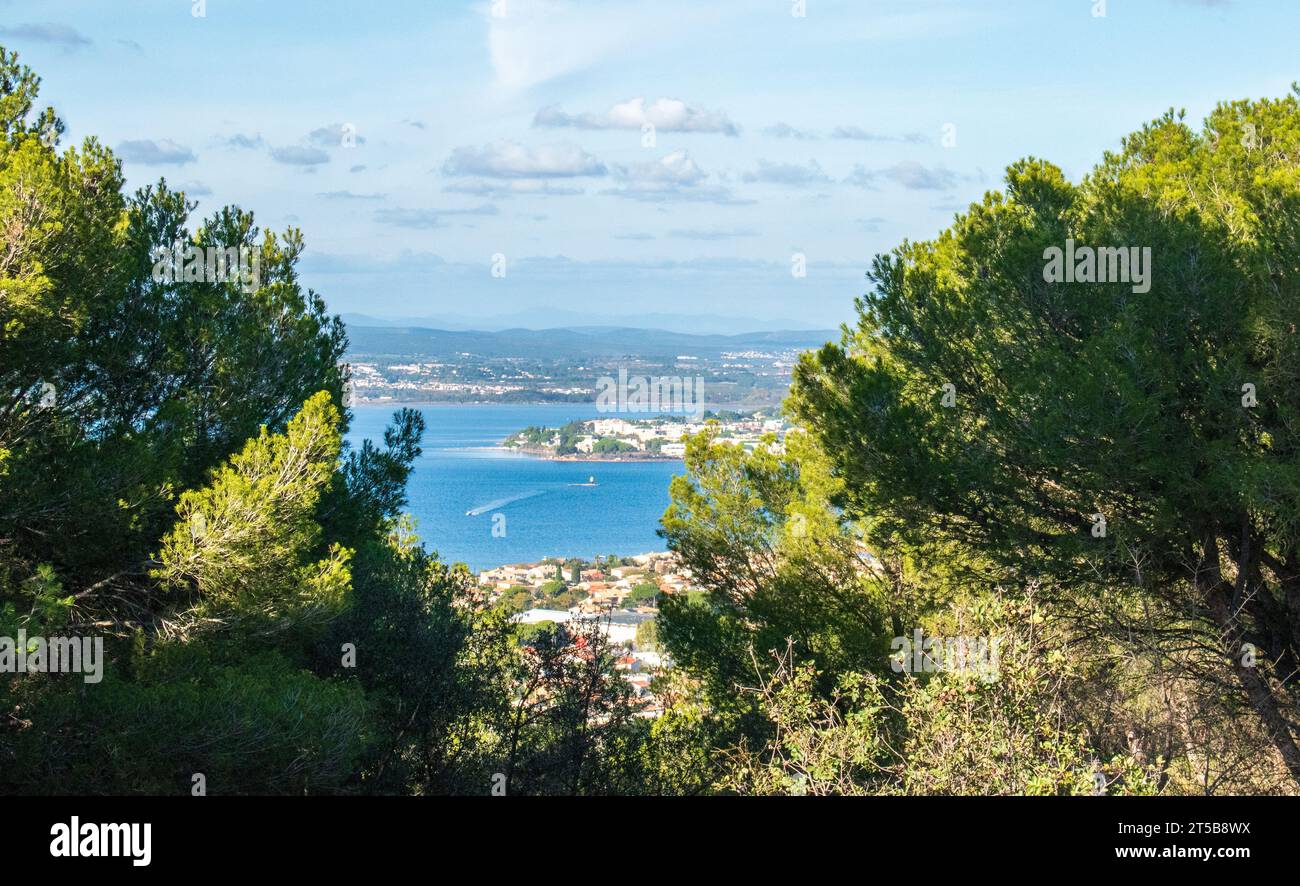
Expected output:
{"points": [[552, 318], [568, 342]]}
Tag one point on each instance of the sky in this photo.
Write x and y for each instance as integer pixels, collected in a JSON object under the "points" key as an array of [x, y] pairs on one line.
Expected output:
{"points": [[667, 163]]}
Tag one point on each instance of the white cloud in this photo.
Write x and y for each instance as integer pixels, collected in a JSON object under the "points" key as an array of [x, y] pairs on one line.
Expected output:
{"points": [[155, 153], [712, 233], [349, 195], [426, 218], [242, 141], [712, 194], [857, 133], [48, 32], [674, 177], [516, 187], [909, 174], [666, 114], [788, 174], [539, 40], [334, 135], [785, 130], [536, 41], [676, 168], [296, 155], [508, 159]]}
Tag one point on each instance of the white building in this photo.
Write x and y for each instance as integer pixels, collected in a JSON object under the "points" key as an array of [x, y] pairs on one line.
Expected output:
{"points": [[618, 627], [612, 427]]}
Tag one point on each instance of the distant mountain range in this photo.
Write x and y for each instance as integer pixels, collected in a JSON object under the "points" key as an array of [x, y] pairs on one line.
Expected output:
{"points": [[542, 319], [571, 342]]}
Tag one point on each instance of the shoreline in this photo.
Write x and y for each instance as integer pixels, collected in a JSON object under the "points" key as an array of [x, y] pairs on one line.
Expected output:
{"points": [[735, 407], [472, 403], [558, 559], [548, 455]]}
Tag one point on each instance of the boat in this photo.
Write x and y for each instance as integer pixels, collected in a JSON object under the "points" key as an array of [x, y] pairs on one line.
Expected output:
{"points": [[591, 481]]}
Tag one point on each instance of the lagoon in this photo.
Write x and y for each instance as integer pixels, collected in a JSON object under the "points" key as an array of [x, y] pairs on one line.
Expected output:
{"points": [[462, 481]]}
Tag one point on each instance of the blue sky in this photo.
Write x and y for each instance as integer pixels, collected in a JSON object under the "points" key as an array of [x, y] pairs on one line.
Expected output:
{"points": [[515, 129]]}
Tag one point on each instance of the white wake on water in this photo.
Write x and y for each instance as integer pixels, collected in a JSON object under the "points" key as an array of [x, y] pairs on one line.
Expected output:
{"points": [[502, 502]]}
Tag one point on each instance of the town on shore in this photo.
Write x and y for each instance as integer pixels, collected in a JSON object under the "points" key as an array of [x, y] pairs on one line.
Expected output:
{"points": [[618, 596], [662, 437]]}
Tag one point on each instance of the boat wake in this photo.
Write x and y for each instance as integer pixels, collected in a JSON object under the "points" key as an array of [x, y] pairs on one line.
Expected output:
{"points": [[501, 503]]}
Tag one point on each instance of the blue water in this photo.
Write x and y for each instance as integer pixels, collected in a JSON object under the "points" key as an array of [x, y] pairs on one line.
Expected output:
{"points": [[544, 515]]}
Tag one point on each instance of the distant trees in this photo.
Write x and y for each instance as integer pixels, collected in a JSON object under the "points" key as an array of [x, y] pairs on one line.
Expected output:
{"points": [[516, 599], [647, 636], [569, 435], [646, 592], [611, 445], [534, 435], [572, 726]]}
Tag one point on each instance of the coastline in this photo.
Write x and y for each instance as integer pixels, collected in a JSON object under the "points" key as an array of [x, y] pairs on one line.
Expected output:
{"points": [[545, 454], [369, 402], [737, 407]]}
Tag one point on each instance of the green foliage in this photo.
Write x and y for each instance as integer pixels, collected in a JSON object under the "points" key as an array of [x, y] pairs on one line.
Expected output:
{"points": [[643, 594], [647, 636], [1011, 730], [610, 445], [117, 390], [571, 727], [47, 608], [430, 667], [531, 634], [1075, 402], [250, 726], [173, 481], [757, 531], [569, 435], [367, 505], [245, 544]]}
